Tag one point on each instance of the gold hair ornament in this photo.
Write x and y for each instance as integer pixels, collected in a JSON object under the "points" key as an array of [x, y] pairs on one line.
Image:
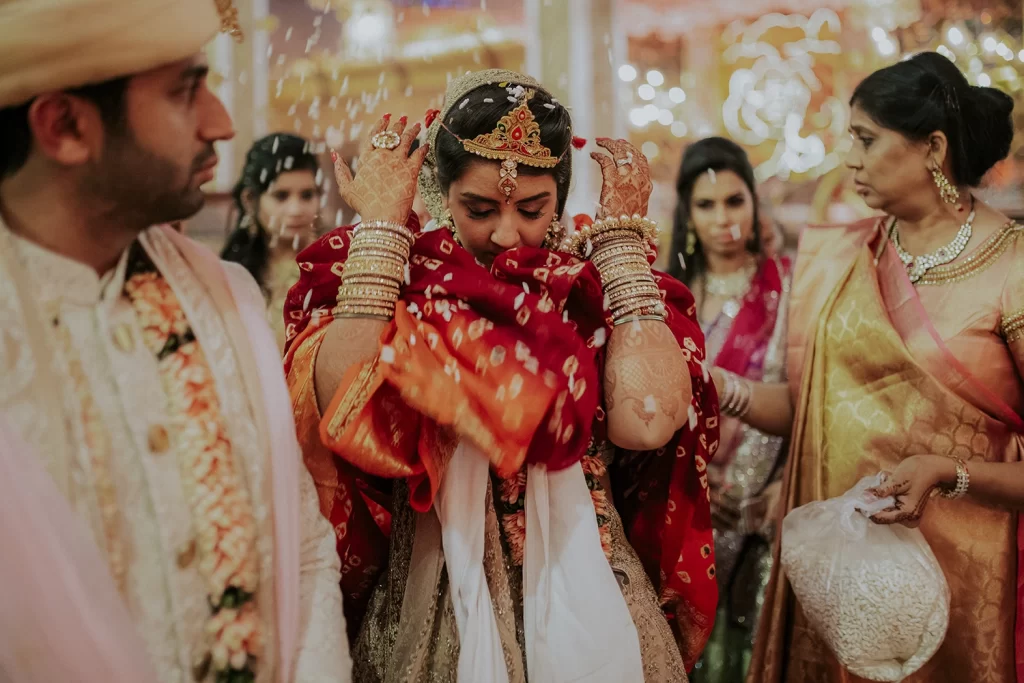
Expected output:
{"points": [[515, 140]]}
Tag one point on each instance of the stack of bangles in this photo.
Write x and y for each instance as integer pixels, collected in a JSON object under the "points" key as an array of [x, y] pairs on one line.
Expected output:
{"points": [[374, 271], [734, 399], [618, 249]]}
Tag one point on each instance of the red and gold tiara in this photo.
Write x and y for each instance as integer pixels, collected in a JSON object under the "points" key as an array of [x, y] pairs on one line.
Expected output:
{"points": [[515, 140]]}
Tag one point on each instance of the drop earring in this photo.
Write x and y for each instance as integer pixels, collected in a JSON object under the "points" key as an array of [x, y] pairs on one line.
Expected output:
{"points": [[447, 222], [947, 191], [553, 237]]}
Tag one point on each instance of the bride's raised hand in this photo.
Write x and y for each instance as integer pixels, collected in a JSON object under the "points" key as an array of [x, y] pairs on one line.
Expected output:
{"points": [[625, 179], [384, 186]]}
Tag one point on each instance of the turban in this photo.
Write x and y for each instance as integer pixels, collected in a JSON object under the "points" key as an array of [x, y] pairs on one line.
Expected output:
{"points": [[48, 45]]}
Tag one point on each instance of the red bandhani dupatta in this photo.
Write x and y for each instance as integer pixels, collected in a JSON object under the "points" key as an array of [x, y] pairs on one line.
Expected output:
{"points": [[509, 359]]}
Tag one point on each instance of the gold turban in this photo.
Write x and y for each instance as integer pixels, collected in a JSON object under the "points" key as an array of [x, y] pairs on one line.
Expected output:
{"points": [[48, 45]]}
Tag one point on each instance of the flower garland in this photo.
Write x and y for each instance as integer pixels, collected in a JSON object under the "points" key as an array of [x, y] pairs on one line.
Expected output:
{"points": [[221, 509], [512, 505]]}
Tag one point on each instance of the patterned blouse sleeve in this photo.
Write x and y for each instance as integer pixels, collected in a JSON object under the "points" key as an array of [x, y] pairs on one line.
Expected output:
{"points": [[1011, 322]]}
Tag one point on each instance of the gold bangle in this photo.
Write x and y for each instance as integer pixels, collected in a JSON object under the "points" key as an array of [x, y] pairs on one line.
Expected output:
{"points": [[382, 255], [388, 226], [637, 318], [351, 311], [620, 308], [381, 238], [368, 281], [607, 228], [640, 306], [377, 268]]}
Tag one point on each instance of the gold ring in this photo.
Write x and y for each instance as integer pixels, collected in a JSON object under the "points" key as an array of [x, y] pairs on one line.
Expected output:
{"points": [[386, 140]]}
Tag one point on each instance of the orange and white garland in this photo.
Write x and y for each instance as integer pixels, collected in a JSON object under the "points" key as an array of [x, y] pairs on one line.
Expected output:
{"points": [[222, 511]]}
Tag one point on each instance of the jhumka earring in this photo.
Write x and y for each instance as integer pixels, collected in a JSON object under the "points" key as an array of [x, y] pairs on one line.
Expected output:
{"points": [[447, 222], [515, 140], [553, 237], [947, 190]]}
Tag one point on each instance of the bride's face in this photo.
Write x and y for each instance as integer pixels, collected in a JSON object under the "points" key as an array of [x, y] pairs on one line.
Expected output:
{"points": [[487, 224]]}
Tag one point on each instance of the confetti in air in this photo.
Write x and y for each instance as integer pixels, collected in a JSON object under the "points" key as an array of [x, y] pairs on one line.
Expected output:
{"points": [[600, 337], [464, 103], [305, 302], [693, 417], [735, 231], [682, 261]]}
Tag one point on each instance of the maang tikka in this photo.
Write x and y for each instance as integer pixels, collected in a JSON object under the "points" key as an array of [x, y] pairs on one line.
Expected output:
{"points": [[515, 140]]}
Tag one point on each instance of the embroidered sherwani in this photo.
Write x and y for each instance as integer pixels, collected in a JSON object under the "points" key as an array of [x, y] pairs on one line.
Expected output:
{"points": [[89, 323]]}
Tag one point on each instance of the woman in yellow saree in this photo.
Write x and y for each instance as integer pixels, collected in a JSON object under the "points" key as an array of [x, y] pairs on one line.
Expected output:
{"points": [[905, 350]]}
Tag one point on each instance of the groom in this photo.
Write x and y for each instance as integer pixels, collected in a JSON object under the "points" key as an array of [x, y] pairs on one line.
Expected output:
{"points": [[157, 524]]}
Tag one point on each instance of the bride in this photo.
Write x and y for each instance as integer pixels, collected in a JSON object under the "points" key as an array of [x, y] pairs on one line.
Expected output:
{"points": [[509, 427]]}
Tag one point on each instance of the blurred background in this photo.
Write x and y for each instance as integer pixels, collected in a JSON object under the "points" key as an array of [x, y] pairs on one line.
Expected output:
{"points": [[773, 75]]}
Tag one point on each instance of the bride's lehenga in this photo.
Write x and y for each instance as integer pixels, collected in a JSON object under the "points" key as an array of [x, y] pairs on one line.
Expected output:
{"points": [[410, 634]]}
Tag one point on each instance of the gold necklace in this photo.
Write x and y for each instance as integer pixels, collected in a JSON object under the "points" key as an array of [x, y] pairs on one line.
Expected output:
{"points": [[917, 266], [733, 285]]}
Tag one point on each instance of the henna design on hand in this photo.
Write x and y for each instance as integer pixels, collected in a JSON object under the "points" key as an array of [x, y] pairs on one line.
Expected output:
{"points": [[625, 179], [645, 371], [384, 186]]}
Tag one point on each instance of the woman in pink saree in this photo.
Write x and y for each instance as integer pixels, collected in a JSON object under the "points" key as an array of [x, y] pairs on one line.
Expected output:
{"points": [[905, 353], [740, 292]]}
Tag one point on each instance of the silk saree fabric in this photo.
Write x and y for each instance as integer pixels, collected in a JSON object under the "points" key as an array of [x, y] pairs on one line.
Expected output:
{"points": [[875, 380]]}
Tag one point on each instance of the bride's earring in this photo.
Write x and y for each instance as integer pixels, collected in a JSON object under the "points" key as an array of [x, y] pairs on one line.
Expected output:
{"points": [[447, 222], [553, 237]]}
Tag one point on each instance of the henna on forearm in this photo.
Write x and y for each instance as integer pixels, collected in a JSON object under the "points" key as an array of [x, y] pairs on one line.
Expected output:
{"points": [[647, 385]]}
